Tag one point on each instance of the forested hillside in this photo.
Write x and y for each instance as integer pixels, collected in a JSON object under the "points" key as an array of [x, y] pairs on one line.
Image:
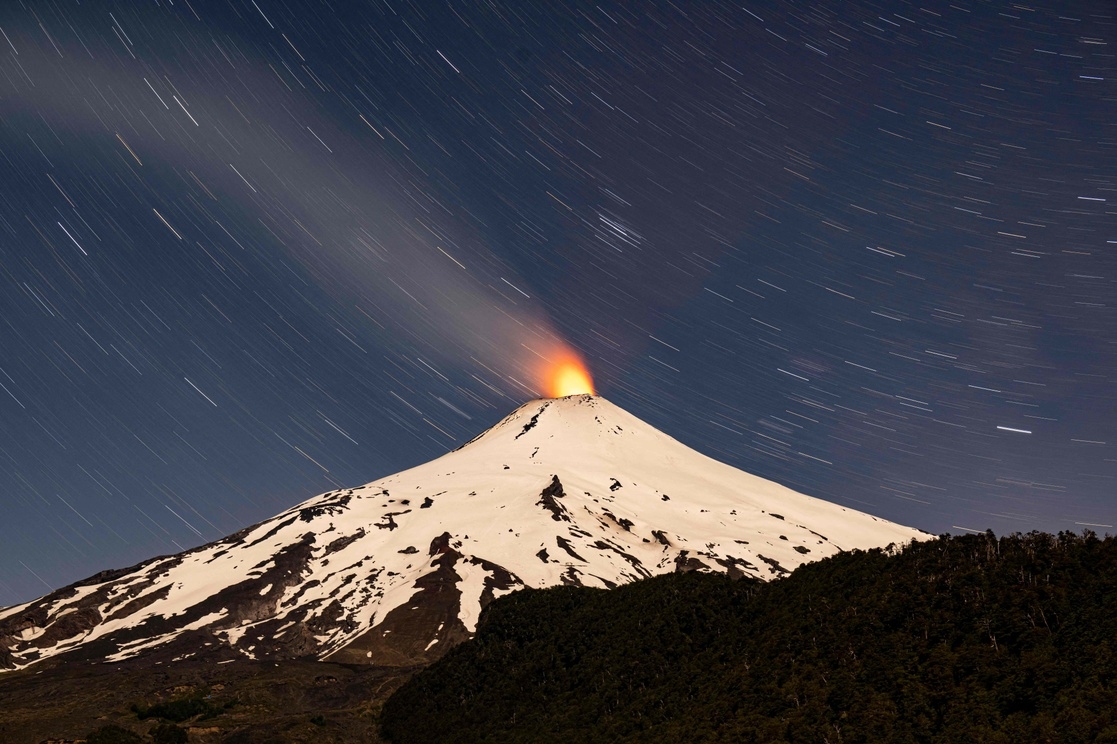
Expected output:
{"points": [[958, 639]]}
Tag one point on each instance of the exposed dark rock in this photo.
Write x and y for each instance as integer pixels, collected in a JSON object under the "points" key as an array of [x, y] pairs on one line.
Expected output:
{"points": [[547, 499], [440, 544], [571, 577], [633, 560], [331, 617], [68, 626], [686, 564], [332, 508], [389, 522], [294, 599], [614, 485], [533, 421], [343, 542], [736, 567], [498, 578], [660, 536], [565, 545], [298, 643], [776, 568], [623, 523]]}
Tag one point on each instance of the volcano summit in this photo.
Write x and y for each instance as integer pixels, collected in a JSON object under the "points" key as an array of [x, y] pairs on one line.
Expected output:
{"points": [[562, 491]]}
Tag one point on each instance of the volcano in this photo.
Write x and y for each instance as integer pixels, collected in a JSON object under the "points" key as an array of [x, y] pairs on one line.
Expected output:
{"points": [[562, 491]]}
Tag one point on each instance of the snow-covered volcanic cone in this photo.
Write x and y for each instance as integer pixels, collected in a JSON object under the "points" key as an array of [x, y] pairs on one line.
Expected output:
{"points": [[564, 491]]}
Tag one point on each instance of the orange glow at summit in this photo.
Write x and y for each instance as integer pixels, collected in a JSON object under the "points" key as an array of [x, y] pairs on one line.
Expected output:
{"points": [[567, 375]]}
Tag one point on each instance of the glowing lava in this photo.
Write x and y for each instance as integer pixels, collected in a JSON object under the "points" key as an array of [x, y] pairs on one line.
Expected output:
{"points": [[568, 376]]}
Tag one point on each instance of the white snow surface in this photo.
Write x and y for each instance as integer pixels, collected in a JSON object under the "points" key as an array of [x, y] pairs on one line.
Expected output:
{"points": [[635, 499]]}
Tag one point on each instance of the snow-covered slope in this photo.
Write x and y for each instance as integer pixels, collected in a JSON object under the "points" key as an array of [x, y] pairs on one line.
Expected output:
{"points": [[565, 491]]}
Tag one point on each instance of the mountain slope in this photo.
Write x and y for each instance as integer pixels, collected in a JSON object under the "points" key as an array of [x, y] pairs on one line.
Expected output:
{"points": [[564, 491]]}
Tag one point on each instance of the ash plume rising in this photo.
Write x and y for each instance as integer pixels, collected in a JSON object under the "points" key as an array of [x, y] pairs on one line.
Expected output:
{"points": [[259, 162]]}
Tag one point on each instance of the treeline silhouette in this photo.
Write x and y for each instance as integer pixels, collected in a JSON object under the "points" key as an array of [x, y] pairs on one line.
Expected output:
{"points": [[957, 639]]}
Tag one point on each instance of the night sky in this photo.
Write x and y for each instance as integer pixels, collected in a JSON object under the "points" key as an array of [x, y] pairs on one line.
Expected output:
{"points": [[253, 250]]}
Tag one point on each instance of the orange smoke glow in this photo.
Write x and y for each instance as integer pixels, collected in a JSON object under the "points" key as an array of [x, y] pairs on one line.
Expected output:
{"points": [[567, 375]]}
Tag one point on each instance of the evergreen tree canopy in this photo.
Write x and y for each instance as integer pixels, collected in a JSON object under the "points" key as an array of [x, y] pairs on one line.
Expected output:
{"points": [[957, 639]]}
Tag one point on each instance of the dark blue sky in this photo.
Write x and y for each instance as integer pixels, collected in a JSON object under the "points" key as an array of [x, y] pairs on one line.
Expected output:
{"points": [[252, 251]]}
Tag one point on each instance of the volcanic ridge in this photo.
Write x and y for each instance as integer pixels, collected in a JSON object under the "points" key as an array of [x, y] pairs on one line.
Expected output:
{"points": [[562, 491]]}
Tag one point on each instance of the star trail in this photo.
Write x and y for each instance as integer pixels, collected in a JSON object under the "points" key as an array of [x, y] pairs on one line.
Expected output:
{"points": [[253, 251]]}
